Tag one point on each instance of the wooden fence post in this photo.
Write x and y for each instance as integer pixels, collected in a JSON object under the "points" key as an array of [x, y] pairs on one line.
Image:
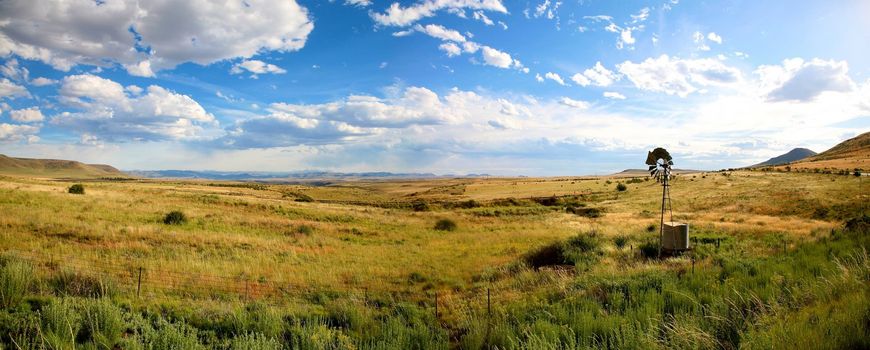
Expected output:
{"points": [[139, 283]]}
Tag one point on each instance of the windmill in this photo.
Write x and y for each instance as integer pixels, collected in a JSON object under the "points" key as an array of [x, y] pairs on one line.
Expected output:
{"points": [[673, 236]]}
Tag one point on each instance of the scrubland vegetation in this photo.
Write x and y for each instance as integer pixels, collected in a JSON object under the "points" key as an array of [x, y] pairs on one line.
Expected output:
{"points": [[779, 261]]}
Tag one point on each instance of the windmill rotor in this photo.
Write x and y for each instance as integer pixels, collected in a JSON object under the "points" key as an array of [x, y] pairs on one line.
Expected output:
{"points": [[660, 163]]}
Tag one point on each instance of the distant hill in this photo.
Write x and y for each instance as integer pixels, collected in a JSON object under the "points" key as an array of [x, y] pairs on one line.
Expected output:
{"points": [[644, 172], [55, 168], [850, 154], [281, 176], [792, 156]]}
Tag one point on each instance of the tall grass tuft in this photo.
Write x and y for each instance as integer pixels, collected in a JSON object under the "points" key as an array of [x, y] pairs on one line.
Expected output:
{"points": [[16, 278], [60, 324], [103, 323]]}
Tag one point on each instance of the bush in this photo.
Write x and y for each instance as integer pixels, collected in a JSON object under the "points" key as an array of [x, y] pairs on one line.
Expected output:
{"points": [[175, 217], [445, 225], [306, 230], [77, 189], [649, 250], [620, 241], [60, 325], [103, 324], [585, 212], [579, 249], [72, 283], [15, 280], [621, 187], [651, 228], [420, 206]]}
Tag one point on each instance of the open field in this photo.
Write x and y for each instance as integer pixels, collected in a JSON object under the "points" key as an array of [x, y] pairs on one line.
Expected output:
{"points": [[359, 264]]}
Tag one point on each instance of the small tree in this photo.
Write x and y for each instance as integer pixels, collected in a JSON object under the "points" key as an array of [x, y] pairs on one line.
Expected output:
{"points": [[77, 189], [175, 217], [621, 187]]}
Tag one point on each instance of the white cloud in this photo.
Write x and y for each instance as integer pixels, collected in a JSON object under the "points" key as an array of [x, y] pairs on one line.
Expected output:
{"points": [[801, 80], [555, 77], [496, 58], [42, 81], [360, 3], [640, 16], [14, 133], [13, 71], [539, 78], [614, 95], [598, 75], [451, 49], [625, 38], [440, 32], [714, 37], [104, 109], [396, 15], [28, 115], [256, 67], [402, 33], [574, 103], [10, 89], [675, 76], [145, 36], [480, 16]]}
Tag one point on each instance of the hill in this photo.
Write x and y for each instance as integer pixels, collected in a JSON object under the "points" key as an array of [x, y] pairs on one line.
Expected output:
{"points": [[55, 168], [790, 157], [851, 154]]}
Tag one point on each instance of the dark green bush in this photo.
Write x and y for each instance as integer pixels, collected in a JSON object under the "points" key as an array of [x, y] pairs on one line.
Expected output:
{"points": [[649, 250], [583, 248], [445, 225], [585, 212], [175, 217], [77, 189], [621, 187], [620, 241], [306, 230], [420, 206]]}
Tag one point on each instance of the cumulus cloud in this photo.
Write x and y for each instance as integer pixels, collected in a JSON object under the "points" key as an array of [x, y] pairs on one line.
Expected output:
{"points": [[614, 95], [675, 76], [10, 89], [555, 77], [15, 133], [714, 37], [12, 70], [256, 67], [42, 81], [451, 49], [105, 109], [440, 32], [396, 15], [800, 80], [597, 75], [144, 36], [701, 40], [494, 57], [360, 3], [574, 103], [28, 115]]}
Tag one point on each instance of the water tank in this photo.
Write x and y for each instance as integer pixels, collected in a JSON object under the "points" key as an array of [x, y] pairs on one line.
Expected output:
{"points": [[675, 236]]}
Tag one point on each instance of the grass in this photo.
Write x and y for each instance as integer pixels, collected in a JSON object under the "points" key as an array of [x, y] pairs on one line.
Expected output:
{"points": [[359, 265]]}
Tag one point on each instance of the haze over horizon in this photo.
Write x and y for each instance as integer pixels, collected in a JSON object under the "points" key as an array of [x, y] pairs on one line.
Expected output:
{"points": [[447, 87]]}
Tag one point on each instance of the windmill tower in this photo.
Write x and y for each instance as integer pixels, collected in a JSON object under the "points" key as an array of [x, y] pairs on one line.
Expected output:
{"points": [[673, 236]]}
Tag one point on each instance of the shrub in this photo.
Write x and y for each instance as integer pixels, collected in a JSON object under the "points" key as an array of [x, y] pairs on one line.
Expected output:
{"points": [[420, 206], [445, 225], [621, 187], [306, 230], [60, 325], [15, 280], [857, 173], [103, 324], [579, 249], [649, 250], [585, 212], [72, 283], [77, 189], [620, 241], [175, 217], [651, 228]]}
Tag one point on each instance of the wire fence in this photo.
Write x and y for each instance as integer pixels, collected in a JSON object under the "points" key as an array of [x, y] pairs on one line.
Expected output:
{"points": [[140, 282]]}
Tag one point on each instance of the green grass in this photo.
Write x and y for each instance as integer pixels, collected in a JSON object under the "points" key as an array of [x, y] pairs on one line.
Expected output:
{"points": [[360, 265]]}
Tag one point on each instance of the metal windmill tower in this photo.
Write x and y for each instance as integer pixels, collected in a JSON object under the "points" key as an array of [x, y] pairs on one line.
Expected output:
{"points": [[673, 236]]}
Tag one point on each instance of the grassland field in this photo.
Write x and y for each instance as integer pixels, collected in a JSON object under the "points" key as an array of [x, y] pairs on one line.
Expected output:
{"points": [[357, 264]]}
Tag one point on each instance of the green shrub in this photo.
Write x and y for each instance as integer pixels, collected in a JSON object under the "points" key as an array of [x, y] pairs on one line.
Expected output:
{"points": [[73, 283], [77, 189], [175, 217], [580, 249], [620, 241], [621, 187], [445, 225], [103, 323], [305, 230], [588, 212], [420, 206], [15, 279], [255, 342], [649, 250], [651, 228], [60, 325]]}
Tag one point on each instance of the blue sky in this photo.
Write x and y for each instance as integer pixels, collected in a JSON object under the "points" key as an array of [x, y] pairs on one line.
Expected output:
{"points": [[445, 86]]}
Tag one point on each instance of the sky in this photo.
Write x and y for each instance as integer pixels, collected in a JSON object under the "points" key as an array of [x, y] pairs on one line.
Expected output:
{"points": [[502, 87]]}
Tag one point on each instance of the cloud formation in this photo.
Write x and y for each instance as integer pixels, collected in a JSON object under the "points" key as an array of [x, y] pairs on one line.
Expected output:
{"points": [[676, 76], [396, 15], [799, 80], [144, 36]]}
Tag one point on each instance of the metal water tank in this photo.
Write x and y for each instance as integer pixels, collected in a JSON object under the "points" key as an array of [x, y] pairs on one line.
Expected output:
{"points": [[675, 236]]}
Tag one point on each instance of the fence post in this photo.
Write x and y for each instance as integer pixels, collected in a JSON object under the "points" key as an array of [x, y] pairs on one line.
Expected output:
{"points": [[139, 283], [436, 306]]}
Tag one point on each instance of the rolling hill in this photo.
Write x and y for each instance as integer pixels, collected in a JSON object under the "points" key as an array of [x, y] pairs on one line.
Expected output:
{"points": [[851, 154], [55, 168], [794, 155]]}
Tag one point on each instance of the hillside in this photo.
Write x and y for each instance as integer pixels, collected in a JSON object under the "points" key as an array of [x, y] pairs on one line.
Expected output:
{"points": [[792, 156], [55, 168], [851, 154]]}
